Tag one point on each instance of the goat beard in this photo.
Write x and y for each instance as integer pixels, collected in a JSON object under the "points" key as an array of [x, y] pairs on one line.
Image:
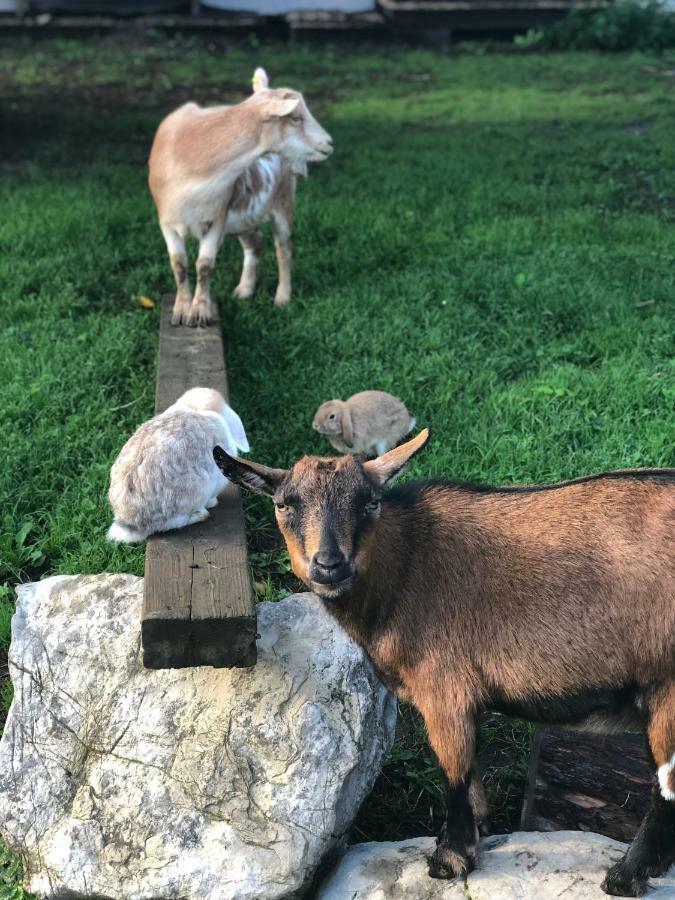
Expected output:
{"points": [[299, 167]]}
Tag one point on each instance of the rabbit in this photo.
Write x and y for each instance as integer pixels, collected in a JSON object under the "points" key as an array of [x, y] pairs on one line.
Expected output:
{"points": [[165, 476], [369, 423]]}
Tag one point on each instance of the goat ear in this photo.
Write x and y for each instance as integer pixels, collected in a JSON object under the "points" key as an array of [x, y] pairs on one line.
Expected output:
{"points": [[389, 465], [248, 474], [260, 81], [280, 108]]}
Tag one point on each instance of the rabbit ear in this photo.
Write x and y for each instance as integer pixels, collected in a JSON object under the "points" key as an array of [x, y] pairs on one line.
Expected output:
{"points": [[347, 427], [236, 429]]}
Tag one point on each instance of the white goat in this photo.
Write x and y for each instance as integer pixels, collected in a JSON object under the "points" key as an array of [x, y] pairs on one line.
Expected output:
{"points": [[225, 170]]}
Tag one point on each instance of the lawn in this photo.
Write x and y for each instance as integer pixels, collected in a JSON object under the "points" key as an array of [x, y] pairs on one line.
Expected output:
{"points": [[492, 241]]}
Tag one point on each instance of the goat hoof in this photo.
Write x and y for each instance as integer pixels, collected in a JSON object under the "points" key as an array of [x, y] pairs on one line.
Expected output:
{"points": [[619, 883], [242, 293], [179, 316], [281, 300], [195, 320], [447, 863]]}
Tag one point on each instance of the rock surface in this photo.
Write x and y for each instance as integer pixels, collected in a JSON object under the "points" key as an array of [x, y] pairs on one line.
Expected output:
{"points": [[521, 866], [119, 782]]}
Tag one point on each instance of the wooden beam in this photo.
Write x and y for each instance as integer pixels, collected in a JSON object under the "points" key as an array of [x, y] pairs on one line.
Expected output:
{"points": [[589, 782], [198, 607]]}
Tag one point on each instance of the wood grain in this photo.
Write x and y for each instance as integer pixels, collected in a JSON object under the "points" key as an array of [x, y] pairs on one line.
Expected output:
{"points": [[198, 604], [589, 782]]}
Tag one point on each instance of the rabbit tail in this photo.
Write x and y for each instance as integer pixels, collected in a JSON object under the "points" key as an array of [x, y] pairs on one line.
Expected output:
{"points": [[125, 534]]}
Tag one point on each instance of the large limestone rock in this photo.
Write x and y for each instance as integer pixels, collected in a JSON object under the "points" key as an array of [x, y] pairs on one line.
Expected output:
{"points": [[521, 866], [198, 784]]}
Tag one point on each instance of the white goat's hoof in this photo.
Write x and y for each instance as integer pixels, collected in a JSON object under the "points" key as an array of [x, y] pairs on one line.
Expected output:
{"points": [[243, 293], [199, 318], [281, 299]]}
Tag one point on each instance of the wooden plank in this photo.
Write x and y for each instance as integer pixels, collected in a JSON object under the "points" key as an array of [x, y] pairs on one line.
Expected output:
{"points": [[589, 782], [198, 604], [437, 6]]}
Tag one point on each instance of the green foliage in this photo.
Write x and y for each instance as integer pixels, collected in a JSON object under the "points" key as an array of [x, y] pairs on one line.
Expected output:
{"points": [[11, 876], [623, 25]]}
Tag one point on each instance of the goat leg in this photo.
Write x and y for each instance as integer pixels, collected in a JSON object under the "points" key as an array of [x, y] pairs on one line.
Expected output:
{"points": [[455, 854], [653, 849], [202, 310], [251, 244], [281, 225], [178, 257], [452, 734], [650, 854]]}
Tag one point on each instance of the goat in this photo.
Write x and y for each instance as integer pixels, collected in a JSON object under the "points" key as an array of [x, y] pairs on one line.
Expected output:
{"points": [[225, 170], [554, 602]]}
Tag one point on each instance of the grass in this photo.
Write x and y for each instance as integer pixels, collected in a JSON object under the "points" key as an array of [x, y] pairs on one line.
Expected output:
{"points": [[492, 241]]}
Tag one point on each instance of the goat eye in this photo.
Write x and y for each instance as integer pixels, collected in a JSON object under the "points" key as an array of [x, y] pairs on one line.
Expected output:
{"points": [[296, 120], [280, 506], [372, 505]]}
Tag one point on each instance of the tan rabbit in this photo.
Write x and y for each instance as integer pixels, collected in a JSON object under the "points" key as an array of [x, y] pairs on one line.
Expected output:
{"points": [[370, 422], [165, 476]]}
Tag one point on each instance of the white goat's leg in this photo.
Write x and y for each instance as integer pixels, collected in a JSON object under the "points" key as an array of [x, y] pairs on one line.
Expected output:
{"points": [[176, 247], [251, 244], [202, 310], [281, 224]]}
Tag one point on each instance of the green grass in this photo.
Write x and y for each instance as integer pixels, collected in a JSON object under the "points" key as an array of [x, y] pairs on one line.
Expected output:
{"points": [[492, 241]]}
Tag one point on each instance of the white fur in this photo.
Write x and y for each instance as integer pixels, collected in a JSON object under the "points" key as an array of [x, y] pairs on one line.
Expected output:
{"points": [[165, 477], [663, 775], [260, 206], [122, 534]]}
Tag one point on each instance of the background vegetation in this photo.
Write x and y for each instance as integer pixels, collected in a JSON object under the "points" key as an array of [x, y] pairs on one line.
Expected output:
{"points": [[492, 241], [622, 25]]}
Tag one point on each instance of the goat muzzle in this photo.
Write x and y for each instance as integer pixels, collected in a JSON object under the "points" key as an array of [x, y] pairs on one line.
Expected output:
{"points": [[330, 573]]}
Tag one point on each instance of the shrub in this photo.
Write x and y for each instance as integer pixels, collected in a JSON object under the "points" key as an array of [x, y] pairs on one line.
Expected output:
{"points": [[624, 25]]}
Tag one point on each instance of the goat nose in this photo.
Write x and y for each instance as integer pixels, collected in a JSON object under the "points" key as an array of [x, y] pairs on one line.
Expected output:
{"points": [[328, 559]]}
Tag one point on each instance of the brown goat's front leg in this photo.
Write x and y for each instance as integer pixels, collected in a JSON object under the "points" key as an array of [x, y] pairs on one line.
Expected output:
{"points": [[455, 854], [452, 735]]}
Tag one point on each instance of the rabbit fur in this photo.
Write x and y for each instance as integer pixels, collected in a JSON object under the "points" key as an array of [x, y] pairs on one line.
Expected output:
{"points": [[165, 476], [368, 423]]}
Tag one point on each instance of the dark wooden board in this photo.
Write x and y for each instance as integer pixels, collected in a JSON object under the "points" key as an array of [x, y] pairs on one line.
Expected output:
{"points": [[587, 782], [198, 607], [477, 15]]}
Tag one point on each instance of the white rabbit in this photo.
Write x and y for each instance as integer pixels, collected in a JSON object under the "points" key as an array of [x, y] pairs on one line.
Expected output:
{"points": [[165, 476]]}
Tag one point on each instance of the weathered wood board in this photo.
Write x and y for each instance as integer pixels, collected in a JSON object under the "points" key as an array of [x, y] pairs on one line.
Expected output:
{"points": [[198, 607], [587, 782]]}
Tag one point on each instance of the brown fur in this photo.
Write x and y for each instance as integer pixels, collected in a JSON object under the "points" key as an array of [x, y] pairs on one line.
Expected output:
{"points": [[559, 600]]}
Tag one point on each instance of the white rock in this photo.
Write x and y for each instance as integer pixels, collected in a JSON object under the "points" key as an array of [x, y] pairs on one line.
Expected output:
{"points": [[520, 866], [120, 782]]}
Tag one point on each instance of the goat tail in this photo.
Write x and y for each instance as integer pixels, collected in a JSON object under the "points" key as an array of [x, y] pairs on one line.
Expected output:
{"points": [[124, 534]]}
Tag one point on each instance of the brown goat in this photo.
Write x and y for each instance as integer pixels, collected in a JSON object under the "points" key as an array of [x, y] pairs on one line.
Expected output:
{"points": [[551, 602]]}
